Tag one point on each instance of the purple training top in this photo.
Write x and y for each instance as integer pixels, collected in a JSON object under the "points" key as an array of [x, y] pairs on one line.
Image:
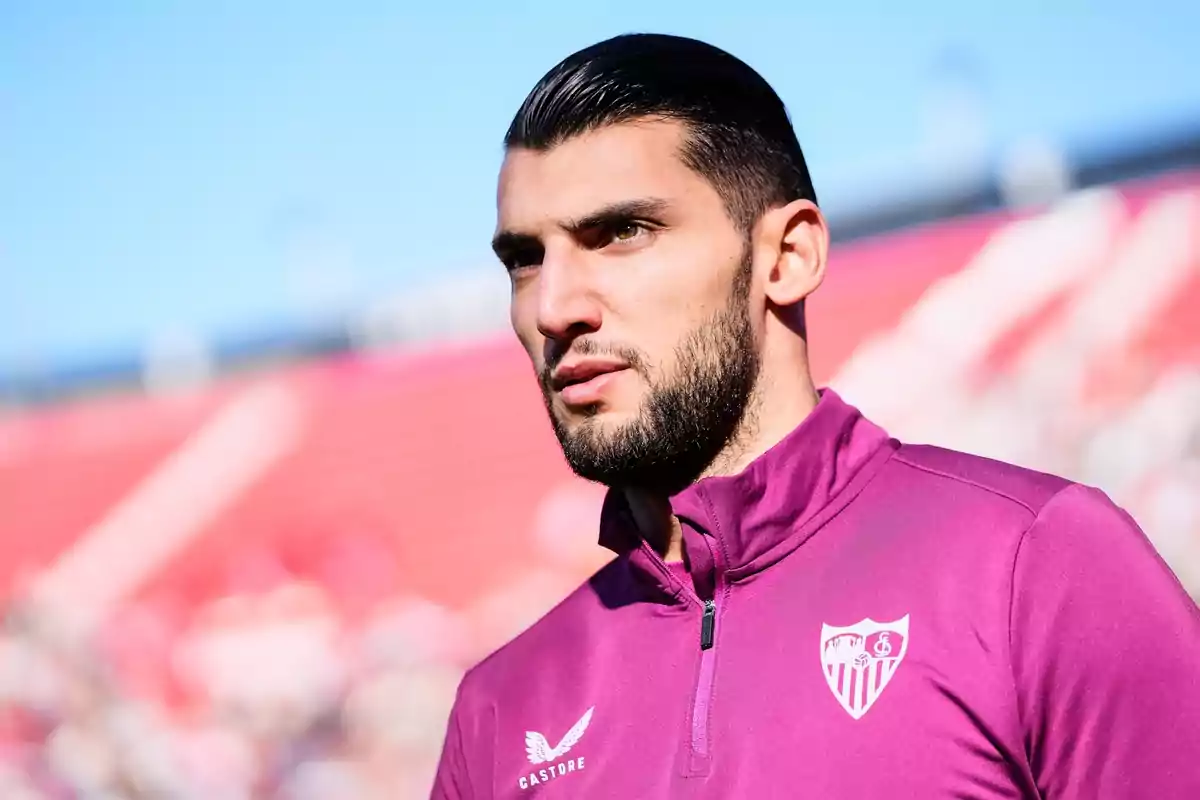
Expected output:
{"points": [[858, 619]]}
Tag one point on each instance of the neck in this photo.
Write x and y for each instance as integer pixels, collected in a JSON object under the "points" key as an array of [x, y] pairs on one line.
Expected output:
{"points": [[773, 412], [777, 407]]}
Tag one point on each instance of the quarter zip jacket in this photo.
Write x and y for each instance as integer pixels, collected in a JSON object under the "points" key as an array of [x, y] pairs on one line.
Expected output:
{"points": [[854, 618]]}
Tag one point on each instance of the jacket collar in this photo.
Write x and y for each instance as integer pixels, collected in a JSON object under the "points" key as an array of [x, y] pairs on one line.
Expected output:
{"points": [[736, 525]]}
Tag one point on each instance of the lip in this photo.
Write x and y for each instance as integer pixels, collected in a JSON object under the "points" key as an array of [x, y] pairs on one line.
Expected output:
{"points": [[583, 382], [582, 371]]}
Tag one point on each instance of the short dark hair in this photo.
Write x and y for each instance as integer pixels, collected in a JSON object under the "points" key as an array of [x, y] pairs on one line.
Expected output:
{"points": [[740, 137]]}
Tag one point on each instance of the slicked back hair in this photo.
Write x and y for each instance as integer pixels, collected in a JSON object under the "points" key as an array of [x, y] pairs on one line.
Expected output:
{"points": [[739, 136]]}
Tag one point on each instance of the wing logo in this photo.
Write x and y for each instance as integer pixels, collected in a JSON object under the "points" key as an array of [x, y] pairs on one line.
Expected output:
{"points": [[539, 749], [541, 754]]}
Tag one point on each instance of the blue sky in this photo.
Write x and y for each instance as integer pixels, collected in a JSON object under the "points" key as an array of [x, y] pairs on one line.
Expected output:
{"points": [[212, 166]]}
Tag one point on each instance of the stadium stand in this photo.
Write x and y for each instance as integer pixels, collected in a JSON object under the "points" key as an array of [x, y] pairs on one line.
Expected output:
{"points": [[270, 585]]}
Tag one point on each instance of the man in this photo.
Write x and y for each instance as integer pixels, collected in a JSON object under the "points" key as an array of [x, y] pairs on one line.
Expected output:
{"points": [[800, 606]]}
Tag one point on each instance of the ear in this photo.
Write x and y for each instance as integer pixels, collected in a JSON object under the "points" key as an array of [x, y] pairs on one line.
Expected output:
{"points": [[799, 240]]}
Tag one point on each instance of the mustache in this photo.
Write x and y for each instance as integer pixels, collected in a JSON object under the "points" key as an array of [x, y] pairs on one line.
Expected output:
{"points": [[556, 351]]}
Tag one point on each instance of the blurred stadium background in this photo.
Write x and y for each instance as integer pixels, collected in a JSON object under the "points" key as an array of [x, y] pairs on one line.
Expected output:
{"points": [[256, 565]]}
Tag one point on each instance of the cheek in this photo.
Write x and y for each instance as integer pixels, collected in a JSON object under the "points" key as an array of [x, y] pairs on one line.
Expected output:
{"points": [[688, 278], [524, 324], [668, 317]]}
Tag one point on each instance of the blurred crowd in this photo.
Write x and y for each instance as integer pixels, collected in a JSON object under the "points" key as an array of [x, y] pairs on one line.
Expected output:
{"points": [[299, 685], [258, 696]]}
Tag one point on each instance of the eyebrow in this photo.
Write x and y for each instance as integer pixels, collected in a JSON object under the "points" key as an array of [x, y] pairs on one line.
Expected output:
{"points": [[617, 212], [507, 241]]}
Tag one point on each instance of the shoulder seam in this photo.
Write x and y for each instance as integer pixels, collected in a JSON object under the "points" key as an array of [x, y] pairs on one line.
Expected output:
{"points": [[1012, 597], [967, 481]]}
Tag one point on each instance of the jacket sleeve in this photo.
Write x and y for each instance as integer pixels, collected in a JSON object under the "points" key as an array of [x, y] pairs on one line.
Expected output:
{"points": [[451, 781], [1105, 648]]}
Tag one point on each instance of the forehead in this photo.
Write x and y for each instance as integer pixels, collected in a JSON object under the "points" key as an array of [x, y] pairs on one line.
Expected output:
{"points": [[612, 164]]}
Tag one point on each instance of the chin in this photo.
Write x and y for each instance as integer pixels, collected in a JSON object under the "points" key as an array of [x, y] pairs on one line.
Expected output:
{"points": [[599, 417]]}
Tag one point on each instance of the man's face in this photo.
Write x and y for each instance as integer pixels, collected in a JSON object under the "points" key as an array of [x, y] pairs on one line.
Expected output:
{"points": [[631, 294]]}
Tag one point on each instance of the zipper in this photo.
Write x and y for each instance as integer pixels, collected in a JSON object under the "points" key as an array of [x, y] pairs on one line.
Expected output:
{"points": [[708, 624], [701, 745], [698, 761]]}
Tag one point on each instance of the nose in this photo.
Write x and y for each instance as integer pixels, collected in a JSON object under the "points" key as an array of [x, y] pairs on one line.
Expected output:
{"points": [[567, 306]]}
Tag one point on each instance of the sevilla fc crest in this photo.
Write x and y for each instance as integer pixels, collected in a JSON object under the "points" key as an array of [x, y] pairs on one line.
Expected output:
{"points": [[861, 659]]}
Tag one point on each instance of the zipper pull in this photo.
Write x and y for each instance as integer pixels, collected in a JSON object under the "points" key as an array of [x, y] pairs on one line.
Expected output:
{"points": [[708, 624]]}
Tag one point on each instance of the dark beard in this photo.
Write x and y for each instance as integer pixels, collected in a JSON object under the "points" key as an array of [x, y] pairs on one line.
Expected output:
{"points": [[684, 423]]}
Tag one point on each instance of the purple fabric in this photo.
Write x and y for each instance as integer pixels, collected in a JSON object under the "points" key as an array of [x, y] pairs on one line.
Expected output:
{"points": [[887, 621]]}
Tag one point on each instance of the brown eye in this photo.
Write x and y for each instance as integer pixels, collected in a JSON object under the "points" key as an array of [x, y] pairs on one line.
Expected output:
{"points": [[627, 231], [614, 232]]}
